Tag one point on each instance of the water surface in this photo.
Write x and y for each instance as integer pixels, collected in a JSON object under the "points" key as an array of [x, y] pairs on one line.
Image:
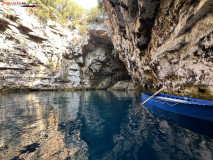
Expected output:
{"points": [[94, 125]]}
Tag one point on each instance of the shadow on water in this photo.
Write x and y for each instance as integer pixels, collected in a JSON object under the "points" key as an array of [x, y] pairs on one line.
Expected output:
{"points": [[194, 124], [108, 125]]}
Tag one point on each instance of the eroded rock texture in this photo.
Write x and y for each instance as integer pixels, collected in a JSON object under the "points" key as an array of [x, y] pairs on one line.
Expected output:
{"points": [[165, 43], [34, 55], [101, 68]]}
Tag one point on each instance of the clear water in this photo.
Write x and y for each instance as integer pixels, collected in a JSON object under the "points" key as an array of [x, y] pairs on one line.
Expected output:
{"points": [[94, 125]]}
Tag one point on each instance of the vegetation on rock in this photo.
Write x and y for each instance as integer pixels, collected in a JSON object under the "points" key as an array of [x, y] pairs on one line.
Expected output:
{"points": [[97, 14], [63, 11], [69, 14]]}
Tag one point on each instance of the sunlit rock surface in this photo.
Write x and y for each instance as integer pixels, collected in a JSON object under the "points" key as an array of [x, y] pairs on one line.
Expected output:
{"points": [[36, 55], [165, 43]]}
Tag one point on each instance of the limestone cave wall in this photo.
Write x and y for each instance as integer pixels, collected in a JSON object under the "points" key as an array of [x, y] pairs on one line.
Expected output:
{"points": [[39, 56], [165, 43]]}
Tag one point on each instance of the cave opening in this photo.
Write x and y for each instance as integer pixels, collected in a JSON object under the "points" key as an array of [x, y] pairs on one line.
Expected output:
{"points": [[201, 90]]}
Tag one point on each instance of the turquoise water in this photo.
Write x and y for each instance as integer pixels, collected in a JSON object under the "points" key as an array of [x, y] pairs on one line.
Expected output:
{"points": [[95, 125]]}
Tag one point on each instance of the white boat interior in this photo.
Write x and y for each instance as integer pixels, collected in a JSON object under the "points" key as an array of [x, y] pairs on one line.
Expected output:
{"points": [[171, 99]]}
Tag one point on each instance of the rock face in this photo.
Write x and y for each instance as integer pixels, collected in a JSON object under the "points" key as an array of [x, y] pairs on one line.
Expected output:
{"points": [[46, 56], [165, 43], [101, 67]]}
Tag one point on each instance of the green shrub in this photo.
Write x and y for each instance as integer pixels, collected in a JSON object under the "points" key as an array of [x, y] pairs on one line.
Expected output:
{"points": [[82, 29], [114, 52], [96, 14], [63, 11], [59, 10], [50, 65]]}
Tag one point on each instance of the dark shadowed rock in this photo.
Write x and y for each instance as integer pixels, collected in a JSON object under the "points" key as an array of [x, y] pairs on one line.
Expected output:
{"points": [[165, 43]]}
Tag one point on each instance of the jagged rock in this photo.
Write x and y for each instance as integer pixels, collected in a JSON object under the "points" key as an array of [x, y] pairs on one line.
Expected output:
{"points": [[99, 71], [125, 85], [165, 43], [121, 85]]}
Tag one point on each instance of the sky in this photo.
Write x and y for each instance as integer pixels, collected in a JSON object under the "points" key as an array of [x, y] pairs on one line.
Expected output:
{"points": [[87, 4]]}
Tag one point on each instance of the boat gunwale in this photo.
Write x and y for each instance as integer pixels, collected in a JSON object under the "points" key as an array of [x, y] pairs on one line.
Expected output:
{"points": [[187, 100]]}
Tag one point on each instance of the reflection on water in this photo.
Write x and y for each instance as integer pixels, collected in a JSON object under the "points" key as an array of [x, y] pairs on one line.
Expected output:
{"points": [[195, 124], [92, 125]]}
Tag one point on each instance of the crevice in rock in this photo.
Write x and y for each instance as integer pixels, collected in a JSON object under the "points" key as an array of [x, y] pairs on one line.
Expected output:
{"points": [[201, 90], [36, 39], [123, 5], [3, 25], [133, 8], [23, 29]]}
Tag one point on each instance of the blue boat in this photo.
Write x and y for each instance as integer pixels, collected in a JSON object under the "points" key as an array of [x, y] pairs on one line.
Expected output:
{"points": [[196, 108]]}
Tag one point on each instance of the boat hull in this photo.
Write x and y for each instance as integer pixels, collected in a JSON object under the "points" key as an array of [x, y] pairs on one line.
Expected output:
{"points": [[204, 112]]}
